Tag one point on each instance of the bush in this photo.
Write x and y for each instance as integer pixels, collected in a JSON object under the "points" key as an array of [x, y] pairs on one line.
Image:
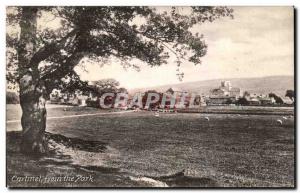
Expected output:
{"points": [[91, 103], [12, 98], [242, 101], [278, 100]]}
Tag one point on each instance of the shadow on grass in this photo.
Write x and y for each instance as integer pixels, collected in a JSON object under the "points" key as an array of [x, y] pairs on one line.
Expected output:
{"points": [[58, 164], [77, 144], [181, 180]]}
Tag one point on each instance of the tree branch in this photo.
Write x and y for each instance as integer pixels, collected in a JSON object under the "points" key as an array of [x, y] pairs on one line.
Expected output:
{"points": [[49, 49], [65, 67]]}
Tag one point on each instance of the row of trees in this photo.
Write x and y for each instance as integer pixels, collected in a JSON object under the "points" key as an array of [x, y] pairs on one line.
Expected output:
{"points": [[278, 100], [98, 91]]}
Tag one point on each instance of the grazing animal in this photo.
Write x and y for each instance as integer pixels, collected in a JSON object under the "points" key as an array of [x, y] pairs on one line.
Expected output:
{"points": [[279, 121], [284, 117], [206, 118], [156, 114]]}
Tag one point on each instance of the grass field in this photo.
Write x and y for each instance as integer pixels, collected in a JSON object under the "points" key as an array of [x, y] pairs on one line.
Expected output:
{"points": [[229, 150]]}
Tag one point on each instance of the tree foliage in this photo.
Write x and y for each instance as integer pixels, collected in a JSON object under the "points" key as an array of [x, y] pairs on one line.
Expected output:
{"points": [[290, 94], [145, 33], [278, 99], [12, 98], [146, 97], [242, 101], [246, 94], [109, 85]]}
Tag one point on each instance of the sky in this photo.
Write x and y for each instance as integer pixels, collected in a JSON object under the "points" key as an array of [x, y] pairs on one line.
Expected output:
{"points": [[257, 42]]}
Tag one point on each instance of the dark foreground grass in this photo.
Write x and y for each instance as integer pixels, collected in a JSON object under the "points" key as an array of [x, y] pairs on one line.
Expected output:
{"points": [[227, 151], [51, 169]]}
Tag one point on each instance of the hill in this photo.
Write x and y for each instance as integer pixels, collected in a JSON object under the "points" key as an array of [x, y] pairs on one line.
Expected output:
{"points": [[261, 85]]}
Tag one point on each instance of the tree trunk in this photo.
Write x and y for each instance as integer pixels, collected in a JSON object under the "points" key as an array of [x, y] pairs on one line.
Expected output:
{"points": [[33, 100], [32, 89]]}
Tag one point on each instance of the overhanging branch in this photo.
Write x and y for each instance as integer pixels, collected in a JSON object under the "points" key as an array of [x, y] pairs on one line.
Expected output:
{"points": [[49, 49]]}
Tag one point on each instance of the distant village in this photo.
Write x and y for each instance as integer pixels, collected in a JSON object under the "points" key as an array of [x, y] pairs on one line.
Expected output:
{"points": [[225, 95]]}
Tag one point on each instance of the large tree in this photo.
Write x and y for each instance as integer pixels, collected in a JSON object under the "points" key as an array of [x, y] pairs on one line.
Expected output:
{"points": [[41, 58], [146, 97], [108, 85]]}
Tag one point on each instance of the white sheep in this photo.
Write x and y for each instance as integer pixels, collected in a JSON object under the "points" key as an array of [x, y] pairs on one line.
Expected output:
{"points": [[206, 118], [279, 121], [284, 117]]}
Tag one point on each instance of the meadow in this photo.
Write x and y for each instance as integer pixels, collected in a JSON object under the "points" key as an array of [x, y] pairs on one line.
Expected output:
{"points": [[228, 150]]}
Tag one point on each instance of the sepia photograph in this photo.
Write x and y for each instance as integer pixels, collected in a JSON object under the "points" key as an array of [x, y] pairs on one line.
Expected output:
{"points": [[150, 97]]}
